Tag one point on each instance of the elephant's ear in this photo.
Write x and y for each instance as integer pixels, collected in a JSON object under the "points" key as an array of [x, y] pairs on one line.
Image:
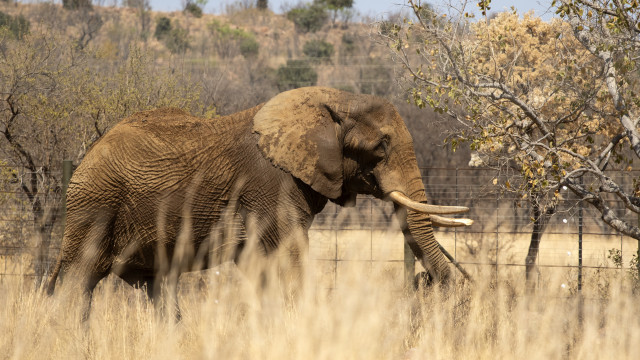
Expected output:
{"points": [[299, 132]]}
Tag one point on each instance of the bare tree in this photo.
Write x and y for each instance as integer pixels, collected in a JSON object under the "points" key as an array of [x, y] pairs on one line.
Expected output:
{"points": [[90, 23], [56, 100], [34, 74]]}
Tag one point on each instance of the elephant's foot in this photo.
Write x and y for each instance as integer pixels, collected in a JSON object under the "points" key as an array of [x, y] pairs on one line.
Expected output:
{"points": [[422, 280]]}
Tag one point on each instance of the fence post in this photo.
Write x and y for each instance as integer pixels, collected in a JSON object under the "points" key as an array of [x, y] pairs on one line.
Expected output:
{"points": [[497, 231], [67, 171], [455, 229], [637, 250], [580, 242]]}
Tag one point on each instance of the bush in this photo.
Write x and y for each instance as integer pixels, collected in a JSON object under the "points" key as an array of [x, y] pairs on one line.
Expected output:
{"points": [[262, 5], [193, 9], [175, 38], [249, 47], [318, 50], [348, 43], [18, 26], [229, 42], [308, 18], [178, 40], [297, 73], [615, 255], [163, 27], [76, 4], [337, 4]]}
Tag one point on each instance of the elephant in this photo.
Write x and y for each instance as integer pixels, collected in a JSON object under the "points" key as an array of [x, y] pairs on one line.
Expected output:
{"points": [[160, 191]]}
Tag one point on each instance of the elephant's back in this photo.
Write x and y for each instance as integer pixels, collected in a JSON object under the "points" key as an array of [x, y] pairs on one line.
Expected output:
{"points": [[180, 125], [159, 150], [162, 124]]}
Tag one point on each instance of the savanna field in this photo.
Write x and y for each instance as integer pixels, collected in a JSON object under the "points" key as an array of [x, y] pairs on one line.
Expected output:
{"points": [[69, 73], [360, 320]]}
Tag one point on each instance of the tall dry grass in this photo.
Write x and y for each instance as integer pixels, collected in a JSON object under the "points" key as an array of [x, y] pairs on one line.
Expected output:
{"points": [[223, 318]]}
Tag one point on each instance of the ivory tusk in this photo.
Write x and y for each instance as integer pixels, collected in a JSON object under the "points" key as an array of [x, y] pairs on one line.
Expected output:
{"points": [[449, 222], [402, 199]]}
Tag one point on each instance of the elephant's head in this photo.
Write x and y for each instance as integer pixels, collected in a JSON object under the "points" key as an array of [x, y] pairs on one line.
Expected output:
{"points": [[343, 144]]}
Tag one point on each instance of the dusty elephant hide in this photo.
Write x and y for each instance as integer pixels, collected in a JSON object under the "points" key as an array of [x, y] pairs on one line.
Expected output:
{"points": [[166, 192]]}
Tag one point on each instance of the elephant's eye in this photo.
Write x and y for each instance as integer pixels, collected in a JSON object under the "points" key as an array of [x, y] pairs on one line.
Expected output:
{"points": [[382, 149]]}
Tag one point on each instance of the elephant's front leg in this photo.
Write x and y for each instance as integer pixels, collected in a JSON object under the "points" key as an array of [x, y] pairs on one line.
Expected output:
{"points": [[292, 262], [274, 254]]}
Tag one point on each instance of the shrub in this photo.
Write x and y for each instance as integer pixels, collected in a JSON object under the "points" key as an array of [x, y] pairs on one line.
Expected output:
{"points": [[348, 43], [249, 47], [178, 40], [297, 73], [228, 42], [18, 26], [262, 5], [336, 7], [193, 9], [135, 3], [318, 50], [76, 4], [337, 4], [308, 18], [615, 255], [175, 38], [163, 27]]}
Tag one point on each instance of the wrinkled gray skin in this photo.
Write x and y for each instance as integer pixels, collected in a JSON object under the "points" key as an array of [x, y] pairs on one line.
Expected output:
{"points": [[154, 194]]}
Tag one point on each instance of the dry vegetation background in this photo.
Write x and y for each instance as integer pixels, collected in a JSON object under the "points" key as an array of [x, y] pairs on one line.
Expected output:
{"points": [[76, 73]]}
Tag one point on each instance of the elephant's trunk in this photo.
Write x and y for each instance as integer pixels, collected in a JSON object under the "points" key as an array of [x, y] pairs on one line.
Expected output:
{"points": [[418, 232], [414, 218]]}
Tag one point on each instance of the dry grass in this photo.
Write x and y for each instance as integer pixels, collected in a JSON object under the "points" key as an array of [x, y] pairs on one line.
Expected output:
{"points": [[361, 319]]}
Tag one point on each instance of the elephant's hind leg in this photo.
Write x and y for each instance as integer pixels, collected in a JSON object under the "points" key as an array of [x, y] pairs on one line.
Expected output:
{"points": [[86, 256]]}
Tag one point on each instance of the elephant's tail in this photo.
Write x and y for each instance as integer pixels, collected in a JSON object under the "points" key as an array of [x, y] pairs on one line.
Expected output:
{"points": [[51, 284]]}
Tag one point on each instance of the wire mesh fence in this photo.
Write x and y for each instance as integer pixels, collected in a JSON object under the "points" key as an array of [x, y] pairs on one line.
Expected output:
{"points": [[499, 239], [367, 236], [29, 202]]}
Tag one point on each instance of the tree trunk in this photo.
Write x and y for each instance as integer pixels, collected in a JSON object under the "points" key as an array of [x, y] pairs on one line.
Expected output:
{"points": [[540, 222], [45, 208]]}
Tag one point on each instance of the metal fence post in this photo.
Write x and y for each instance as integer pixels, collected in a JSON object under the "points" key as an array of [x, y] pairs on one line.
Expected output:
{"points": [[455, 230], [637, 250], [580, 242], [497, 231]]}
